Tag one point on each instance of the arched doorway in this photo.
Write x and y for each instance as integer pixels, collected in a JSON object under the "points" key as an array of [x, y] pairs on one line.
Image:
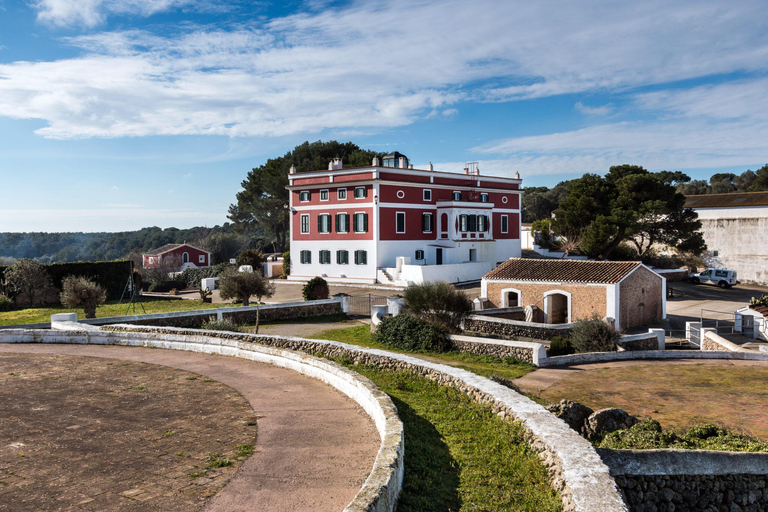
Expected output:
{"points": [[557, 307], [511, 298]]}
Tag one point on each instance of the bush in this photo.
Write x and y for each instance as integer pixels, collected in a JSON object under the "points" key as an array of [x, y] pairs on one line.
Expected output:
{"points": [[28, 277], [315, 289], [221, 325], [166, 286], [252, 257], [241, 285], [437, 302], [286, 263], [6, 303], [593, 335], [77, 290], [407, 332], [560, 347]]}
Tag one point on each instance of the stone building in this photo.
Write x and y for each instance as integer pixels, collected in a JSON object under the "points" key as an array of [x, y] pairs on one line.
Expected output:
{"points": [[571, 290], [735, 228]]}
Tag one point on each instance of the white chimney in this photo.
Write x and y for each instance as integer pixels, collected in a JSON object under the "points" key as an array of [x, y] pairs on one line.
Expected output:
{"points": [[410, 166], [375, 162], [517, 175], [430, 167], [402, 162], [293, 169], [335, 164], [466, 170]]}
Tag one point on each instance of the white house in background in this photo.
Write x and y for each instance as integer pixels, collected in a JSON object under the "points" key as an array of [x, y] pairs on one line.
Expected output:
{"points": [[391, 223], [752, 321], [735, 228]]}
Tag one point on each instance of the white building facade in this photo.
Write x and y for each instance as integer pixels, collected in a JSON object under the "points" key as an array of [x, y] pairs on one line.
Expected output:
{"points": [[392, 223]]}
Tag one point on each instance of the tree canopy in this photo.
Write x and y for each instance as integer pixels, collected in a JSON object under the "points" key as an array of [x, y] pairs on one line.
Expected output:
{"points": [[261, 205], [629, 204], [725, 182]]}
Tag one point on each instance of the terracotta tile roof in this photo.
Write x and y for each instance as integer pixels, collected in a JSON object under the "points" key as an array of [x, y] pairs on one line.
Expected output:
{"points": [[732, 200], [165, 248], [572, 271]]}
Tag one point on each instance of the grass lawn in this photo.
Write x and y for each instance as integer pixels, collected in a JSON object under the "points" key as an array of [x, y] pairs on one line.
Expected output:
{"points": [[459, 455], [486, 366], [676, 395], [110, 308]]}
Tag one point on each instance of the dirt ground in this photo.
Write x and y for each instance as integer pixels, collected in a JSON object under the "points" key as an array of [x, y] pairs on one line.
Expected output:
{"points": [[733, 394], [89, 433]]}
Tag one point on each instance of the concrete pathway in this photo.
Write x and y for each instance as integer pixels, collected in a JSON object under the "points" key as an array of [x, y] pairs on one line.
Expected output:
{"points": [[315, 447]]}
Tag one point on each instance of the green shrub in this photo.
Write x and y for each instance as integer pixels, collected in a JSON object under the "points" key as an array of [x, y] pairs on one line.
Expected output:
{"points": [[593, 335], [287, 263], [166, 286], [110, 275], [252, 257], [407, 332], [6, 303], [28, 277], [221, 325], [560, 347], [437, 302], [79, 290], [315, 289], [759, 301]]}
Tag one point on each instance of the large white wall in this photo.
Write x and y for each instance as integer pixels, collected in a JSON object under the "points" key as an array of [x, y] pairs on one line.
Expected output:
{"points": [[741, 245], [366, 272]]}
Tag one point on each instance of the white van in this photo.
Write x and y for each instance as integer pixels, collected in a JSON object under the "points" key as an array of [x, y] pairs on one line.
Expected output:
{"points": [[717, 276]]}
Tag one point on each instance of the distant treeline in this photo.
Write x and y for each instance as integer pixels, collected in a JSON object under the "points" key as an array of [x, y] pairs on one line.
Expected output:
{"points": [[222, 241]]}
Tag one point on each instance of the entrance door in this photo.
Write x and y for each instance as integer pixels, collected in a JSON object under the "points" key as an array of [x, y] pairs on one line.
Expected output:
{"points": [[557, 308], [438, 256]]}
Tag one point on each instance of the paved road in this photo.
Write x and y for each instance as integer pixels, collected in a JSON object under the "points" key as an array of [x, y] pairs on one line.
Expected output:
{"points": [[315, 446], [692, 301]]}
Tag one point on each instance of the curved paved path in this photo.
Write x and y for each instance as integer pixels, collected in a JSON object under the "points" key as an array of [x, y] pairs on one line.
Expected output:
{"points": [[315, 446]]}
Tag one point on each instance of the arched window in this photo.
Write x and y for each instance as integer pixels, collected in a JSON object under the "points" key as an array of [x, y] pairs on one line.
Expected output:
{"points": [[185, 257]]}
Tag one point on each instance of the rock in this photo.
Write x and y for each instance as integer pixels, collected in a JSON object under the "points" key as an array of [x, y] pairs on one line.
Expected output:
{"points": [[573, 413], [608, 420]]}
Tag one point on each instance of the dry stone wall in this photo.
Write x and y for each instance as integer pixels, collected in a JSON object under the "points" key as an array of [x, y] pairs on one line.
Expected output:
{"points": [[511, 329]]}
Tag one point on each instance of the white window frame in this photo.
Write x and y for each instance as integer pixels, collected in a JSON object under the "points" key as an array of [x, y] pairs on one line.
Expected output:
{"points": [[302, 217], [301, 196], [427, 194], [365, 193], [453, 195], [341, 192], [483, 197], [431, 222], [201, 258], [354, 223], [505, 299], [397, 215], [505, 223], [327, 194]]}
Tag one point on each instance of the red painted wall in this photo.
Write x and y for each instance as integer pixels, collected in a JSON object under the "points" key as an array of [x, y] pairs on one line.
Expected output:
{"points": [[388, 224], [314, 196], [193, 256], [513, 225], [353, 177], [333, 235], [310, 181]]}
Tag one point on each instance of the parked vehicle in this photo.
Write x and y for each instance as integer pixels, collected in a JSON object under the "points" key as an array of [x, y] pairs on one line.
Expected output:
{"points": [[716, 276]]}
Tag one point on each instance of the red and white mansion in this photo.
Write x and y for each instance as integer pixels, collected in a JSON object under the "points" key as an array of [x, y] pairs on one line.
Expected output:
{"points": [[393, 223]]}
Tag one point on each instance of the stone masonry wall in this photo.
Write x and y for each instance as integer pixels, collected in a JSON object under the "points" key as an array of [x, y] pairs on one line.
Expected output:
{"points": [[493, 349], [585, 299], [508, 330], [641, 287], [651, 343]]}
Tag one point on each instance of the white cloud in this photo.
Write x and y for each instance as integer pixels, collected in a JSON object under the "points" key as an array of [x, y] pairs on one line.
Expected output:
{"points": [[188, 176], [603, 110], [449, 112], [371, 64]]}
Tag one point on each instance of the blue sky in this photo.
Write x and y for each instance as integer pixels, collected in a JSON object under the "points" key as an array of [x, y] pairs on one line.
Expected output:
{"points": [[120, 114]]}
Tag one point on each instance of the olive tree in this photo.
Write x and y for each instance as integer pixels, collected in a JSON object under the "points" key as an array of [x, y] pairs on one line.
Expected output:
{"points": [[437, 302], [28, 276], [79, 290], [242, 285]]}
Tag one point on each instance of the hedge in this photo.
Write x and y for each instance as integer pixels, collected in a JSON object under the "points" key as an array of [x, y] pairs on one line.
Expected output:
{"points": [[112, 275]]}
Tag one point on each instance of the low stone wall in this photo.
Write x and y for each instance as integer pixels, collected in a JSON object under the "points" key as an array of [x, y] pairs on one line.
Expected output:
{"points": [[193, 319], [690, 480], [652, 340], [379, 492], [605, 357], [506, 313], [520, 350], [714, 342], [510, 329]]}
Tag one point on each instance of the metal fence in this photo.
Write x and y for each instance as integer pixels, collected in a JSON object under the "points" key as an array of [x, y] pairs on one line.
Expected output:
{"points": [[360, 305]]}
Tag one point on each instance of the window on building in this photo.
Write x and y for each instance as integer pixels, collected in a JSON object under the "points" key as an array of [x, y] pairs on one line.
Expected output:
{"points": [[360, 192], [151, 259], [463, 226], [342, 222], [304, 224], [472, 223], [304, 196], [426, 222], [427, 195], [360, 223], [324, 223], [504, 224], [341, 194], [185, 257], [201, 258], [457, 196], [400, 222], [473, 255], [325, 257], [482, 223], [342, 257], [305, 257], [483, 197], [419, 254], [361, 258], [324, 195]]}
